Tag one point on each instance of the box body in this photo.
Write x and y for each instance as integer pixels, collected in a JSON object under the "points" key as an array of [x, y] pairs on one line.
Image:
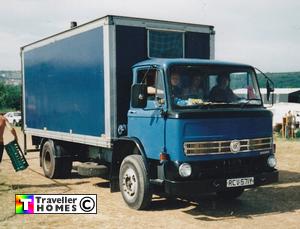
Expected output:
{"points": [[76, 84]]}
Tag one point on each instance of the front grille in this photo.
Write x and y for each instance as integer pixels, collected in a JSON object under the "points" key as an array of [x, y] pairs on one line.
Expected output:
{"points": [[221, 147], [234, 167]]}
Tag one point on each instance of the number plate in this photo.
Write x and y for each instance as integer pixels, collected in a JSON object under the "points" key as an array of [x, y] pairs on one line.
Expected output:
{"points": [[238, 182]]}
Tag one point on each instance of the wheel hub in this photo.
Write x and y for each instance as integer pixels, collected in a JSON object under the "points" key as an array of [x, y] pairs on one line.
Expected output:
{"points": [[130, 183], [47, 161]]}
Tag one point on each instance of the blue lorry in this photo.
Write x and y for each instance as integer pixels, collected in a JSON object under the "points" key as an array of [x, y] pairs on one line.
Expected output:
{"points": [[146, 99]]}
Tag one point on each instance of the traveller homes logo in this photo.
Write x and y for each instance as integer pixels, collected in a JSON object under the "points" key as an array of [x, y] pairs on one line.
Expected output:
{"points": [[24, 204], [56, 204]]}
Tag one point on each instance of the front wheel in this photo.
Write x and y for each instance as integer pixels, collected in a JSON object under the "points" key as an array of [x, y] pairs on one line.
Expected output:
{"points": [[134, 182]]}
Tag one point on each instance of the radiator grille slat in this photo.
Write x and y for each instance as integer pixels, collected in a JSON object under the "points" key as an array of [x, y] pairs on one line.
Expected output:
{"points": [[221, 147]]}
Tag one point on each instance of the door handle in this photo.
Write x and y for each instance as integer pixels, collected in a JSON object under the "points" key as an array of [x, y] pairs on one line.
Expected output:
{"points": [[132, 112]]}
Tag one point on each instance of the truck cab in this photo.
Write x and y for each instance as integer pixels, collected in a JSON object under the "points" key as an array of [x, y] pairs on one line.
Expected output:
{"points": [[195, 133]]}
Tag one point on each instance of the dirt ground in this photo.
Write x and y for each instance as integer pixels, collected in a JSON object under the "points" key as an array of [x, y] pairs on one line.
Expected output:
{"points": [[273, 206]]}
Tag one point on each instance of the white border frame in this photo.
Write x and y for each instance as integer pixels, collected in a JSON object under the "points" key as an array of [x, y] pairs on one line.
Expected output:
{"points": [[23, 89], [110, 103], [76, 138], [66, 34], [163, 25], [105, 139], [212, 45]]}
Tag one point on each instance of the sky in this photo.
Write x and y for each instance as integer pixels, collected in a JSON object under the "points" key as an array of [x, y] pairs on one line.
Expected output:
{"points": [[265, 34]]}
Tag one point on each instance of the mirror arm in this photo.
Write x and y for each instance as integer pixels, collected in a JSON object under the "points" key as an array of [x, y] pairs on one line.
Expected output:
{"points": [[266, 77]]}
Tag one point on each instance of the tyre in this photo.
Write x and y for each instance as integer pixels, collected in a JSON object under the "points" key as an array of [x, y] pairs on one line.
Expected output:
{"points": [[55, 167], [230, 194], [134, 182]]}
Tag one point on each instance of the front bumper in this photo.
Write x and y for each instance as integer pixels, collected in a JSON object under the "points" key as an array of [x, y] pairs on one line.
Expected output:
{"points": [[183, 188]]}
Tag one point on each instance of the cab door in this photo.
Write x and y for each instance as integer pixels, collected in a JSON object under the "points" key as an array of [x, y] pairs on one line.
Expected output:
{"points": [[147, 124]]}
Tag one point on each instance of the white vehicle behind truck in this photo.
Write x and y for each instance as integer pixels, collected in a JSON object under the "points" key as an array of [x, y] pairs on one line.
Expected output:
{"points": [[14, 117]]}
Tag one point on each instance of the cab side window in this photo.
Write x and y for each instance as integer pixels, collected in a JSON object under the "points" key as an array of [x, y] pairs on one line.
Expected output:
{"points": [[154, 82]]}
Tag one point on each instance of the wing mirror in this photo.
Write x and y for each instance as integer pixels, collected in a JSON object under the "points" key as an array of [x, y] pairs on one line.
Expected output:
{"points": [[139, 95], [269, 91]]}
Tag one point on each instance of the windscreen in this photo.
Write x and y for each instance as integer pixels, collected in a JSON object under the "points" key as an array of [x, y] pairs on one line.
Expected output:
{"points": [[198, 86]]}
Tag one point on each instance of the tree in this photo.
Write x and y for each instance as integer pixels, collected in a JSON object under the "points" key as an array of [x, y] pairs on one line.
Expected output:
{"points": [[2, 95], [10, 96]]}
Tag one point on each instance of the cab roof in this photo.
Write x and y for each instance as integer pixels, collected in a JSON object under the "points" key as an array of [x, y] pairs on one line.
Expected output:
{"points": [[164, 62]]}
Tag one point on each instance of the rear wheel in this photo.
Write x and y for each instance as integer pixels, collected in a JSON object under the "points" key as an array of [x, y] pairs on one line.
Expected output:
{"points": [[230, 194], [134, 182], [53, 166]]}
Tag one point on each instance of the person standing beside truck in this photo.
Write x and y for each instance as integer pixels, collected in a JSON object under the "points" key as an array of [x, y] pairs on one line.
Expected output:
{"points": [[289, 124], [4, 123]]}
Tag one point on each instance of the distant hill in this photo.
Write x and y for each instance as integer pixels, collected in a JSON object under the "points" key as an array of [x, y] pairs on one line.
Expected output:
{"points": [[282, 80], [10, 74], [10, 77]]}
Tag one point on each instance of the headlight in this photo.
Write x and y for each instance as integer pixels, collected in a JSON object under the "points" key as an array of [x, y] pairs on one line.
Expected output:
{"points": [[271, 161], [185, 170]]}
